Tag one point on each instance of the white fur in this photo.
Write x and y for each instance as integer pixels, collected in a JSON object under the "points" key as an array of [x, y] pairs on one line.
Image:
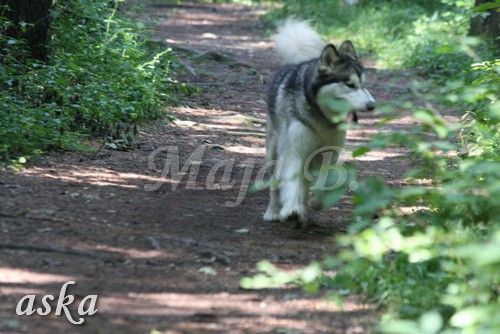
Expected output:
{"points": [[296, 42], [292, 196], [358, 98]]}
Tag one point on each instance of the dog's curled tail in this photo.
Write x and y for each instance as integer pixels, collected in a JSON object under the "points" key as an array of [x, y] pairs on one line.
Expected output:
{"points": [[296, 42]]}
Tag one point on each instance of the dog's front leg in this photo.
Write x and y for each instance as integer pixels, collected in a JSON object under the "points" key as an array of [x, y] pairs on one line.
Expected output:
{"points": [[272, 212]]}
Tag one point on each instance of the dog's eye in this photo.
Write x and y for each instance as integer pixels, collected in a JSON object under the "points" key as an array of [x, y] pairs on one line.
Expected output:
{"points": [[351, 85]]}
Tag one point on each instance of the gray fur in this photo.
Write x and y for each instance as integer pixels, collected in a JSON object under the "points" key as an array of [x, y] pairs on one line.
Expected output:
{"points": [[298, 123]]}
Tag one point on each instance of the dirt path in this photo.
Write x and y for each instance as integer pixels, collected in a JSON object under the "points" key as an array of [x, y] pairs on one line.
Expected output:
{"points": [[169, 259]]}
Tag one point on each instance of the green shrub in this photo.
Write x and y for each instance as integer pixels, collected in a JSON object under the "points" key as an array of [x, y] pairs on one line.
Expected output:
{"points": [[104, 74], [428, 35]]}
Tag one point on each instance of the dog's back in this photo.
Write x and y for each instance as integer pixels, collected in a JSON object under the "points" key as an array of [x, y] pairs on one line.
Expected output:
{"points": [[298, 47]]}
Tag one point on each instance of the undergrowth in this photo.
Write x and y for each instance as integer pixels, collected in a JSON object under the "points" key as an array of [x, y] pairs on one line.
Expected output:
{"points": [[104, 76], [425, 34]]}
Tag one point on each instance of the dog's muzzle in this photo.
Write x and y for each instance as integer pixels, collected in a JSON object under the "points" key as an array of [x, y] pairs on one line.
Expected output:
{"points": [[352, 117], [370, 106]]}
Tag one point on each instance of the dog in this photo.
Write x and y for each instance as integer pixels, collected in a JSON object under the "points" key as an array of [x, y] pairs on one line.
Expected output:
{"points": [[306, 109]]}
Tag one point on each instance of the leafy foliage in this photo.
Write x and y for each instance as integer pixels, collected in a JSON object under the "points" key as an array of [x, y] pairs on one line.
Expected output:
{"points": [[428, 35], [104, 74]]}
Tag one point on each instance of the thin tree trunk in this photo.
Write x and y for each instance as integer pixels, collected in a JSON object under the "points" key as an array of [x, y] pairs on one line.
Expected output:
{"points": [[36, 13], [486, 26]]}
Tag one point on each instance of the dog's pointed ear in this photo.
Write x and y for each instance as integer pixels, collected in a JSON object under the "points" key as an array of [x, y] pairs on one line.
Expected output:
{"points": [[348, 49], [329, 57]]}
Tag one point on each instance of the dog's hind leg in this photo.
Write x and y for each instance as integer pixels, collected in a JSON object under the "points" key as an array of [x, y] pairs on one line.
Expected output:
{"points": [[273, 209]]}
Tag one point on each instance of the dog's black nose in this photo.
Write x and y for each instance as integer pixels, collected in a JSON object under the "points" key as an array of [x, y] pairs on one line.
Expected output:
{"points": [[370, 106]]}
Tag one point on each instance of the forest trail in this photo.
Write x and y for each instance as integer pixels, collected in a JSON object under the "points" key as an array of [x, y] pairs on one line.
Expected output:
{"points": [[171, 259]]}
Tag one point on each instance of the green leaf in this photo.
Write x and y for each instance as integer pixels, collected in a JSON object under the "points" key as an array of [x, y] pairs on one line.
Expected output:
{"points": [[259, 281], [425, 115], [400, 327], [411, 192], [337, 300], [311, 272], [360, 151], [475, 314], [445, 48], [333, 196], [24, 26], [442, 131], [430, 322], [485, 7], [267, 267], [74, 66], [335, 105]]}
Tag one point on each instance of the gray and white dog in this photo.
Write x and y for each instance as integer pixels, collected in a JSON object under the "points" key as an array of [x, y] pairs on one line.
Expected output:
{"points": [[302, 115]]}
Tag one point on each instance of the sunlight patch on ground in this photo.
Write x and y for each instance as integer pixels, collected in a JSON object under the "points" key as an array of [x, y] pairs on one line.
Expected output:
{"points": [[200, 311], [18, 276], [346, 155], [185, 303], [407, 210], [246, 150], [132, 253], [97, 177]]}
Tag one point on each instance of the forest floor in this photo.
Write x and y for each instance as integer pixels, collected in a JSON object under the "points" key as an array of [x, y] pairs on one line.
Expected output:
{"points": [[171, 258]]}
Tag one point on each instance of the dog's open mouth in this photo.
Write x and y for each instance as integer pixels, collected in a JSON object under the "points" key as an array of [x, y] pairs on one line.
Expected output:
{"points": [[352, 117]]}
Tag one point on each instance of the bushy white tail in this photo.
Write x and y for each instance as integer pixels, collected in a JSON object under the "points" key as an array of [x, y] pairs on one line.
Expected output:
{"points": [[296, 42]]}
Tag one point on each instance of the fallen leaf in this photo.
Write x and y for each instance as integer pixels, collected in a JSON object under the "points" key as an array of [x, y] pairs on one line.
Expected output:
{"points": [[207, 271], [242, 230]]}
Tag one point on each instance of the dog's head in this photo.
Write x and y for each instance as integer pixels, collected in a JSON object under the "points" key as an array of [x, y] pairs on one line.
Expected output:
{"points": [[340, 82]]}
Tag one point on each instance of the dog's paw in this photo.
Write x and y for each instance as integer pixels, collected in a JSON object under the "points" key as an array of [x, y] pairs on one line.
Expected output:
{"points": [[271, 217], [297, 215]]}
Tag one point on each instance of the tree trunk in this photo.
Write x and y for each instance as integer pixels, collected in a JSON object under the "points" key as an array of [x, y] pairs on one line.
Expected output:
{"points": [[36, 13], [486, 26]]}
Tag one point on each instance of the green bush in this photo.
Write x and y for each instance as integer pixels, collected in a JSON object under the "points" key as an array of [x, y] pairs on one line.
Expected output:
{"points": [[104, 74], [428, 35]]}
